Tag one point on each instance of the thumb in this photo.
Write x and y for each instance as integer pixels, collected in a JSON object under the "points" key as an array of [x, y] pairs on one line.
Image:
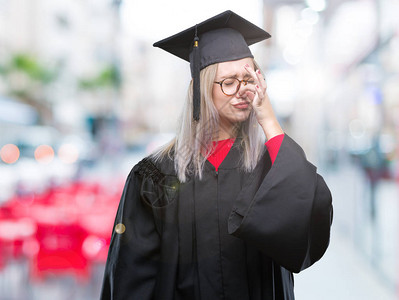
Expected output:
{"points": [[250, 95]]}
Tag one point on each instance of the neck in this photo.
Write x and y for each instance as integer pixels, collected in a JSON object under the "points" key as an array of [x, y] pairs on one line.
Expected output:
{"points": [[226, 131], [222, 137]]}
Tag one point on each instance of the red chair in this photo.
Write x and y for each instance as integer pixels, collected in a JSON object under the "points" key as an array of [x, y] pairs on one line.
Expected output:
{"points": [[60, 252]]}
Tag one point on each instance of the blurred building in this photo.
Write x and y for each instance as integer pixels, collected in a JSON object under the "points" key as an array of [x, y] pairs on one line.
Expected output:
{"points": [[155, 83], [78, 38], [333, 73]]}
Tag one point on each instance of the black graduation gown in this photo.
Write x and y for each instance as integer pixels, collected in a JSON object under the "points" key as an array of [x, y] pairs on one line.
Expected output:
{"points": [[232, 235]]}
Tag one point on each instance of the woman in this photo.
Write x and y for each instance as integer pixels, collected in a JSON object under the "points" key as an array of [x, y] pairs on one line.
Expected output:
{"points": [[216, 214]]}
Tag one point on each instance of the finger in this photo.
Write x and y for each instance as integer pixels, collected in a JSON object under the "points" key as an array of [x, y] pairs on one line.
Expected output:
{"points": [[260, 92], [250, 95], [261, 79], [252, 73], [253, 99]]}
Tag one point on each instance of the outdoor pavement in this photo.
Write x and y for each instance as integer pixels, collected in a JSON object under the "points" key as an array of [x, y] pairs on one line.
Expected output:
{"points": [[361, 262], [342, 274]]}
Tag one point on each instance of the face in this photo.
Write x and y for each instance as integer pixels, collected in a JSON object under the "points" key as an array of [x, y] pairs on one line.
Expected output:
{"points": [[235, 108]]}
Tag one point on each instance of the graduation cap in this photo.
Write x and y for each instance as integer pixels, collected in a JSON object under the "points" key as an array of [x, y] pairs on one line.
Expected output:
{"points": [[224, 37]]}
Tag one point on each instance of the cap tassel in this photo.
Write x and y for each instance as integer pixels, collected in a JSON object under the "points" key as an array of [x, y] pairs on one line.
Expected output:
{"points": [[196, 78]]}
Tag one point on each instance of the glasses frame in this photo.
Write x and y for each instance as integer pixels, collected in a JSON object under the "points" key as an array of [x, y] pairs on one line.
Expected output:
{"points": [[244, 81]]}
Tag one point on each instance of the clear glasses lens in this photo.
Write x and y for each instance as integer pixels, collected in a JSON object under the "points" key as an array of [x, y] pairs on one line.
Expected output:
{"points": [[230, 86]]}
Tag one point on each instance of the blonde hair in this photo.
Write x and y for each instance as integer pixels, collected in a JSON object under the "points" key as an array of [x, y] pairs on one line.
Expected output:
{"points": [[193, 142]]}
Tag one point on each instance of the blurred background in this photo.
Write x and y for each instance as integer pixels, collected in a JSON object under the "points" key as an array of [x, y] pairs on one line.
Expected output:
{"points": [[84, 96]]}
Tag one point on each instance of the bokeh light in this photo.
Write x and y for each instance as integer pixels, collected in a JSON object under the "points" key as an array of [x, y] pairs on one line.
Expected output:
{"points": [[68, 153], [44, 154], [317, 5], [310, 16], [9, 153], [92, 245]]}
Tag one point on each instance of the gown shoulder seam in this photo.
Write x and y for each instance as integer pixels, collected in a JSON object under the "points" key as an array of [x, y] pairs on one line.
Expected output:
{"points": [[146, 168]]}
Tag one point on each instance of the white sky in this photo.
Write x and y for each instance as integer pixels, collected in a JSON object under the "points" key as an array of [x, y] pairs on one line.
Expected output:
{"points": [[156, 19]]}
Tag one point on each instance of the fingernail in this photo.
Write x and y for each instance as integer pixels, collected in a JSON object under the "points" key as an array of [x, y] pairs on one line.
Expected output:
{"points": [[247, 66], [257, 86], [258, 71]]}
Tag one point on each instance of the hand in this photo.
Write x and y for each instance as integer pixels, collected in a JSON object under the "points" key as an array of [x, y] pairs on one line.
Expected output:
{"points": [[262, 106]]}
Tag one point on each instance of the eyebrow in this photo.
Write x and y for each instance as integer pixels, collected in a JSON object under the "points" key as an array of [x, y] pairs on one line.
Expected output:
{"points": [[235, 75]]}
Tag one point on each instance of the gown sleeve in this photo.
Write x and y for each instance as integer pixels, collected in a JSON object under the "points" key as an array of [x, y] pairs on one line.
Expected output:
{"points": [[133, 256], [285, 212], [273, 145]]}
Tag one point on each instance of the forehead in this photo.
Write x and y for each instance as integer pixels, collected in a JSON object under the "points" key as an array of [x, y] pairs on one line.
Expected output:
{"points": [[233, 67]]}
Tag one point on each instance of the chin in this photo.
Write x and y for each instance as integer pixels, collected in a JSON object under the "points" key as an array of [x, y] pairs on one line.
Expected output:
{"points": [[240, 117]]}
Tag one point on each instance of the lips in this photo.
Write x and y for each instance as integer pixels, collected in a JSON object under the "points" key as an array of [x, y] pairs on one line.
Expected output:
{"points": [[241, 105]]}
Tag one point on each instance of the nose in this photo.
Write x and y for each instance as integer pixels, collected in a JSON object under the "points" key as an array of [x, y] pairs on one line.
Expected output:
{"points": [[242, 89]]}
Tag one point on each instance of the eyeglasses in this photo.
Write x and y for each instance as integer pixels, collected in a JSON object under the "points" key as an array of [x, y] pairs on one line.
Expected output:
{"points": [[230, 86]]}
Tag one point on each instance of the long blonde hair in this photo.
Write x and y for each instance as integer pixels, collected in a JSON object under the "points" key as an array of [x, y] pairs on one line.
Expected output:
{"points": [[193, 142]]}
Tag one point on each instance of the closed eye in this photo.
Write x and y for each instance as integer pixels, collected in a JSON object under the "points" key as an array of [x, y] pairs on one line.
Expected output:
{"points": [[250, 81]]}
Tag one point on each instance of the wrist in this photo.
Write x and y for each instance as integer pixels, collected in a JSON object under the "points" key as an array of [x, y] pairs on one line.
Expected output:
{"points": [[271, 128]]}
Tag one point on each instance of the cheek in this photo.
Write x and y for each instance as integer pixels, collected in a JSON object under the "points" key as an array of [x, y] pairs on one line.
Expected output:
{"points": [[217, 98], [214, 95]]}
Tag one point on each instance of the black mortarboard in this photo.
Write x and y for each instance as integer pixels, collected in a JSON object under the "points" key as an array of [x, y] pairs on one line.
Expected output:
{"points": [[224, 37]]}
